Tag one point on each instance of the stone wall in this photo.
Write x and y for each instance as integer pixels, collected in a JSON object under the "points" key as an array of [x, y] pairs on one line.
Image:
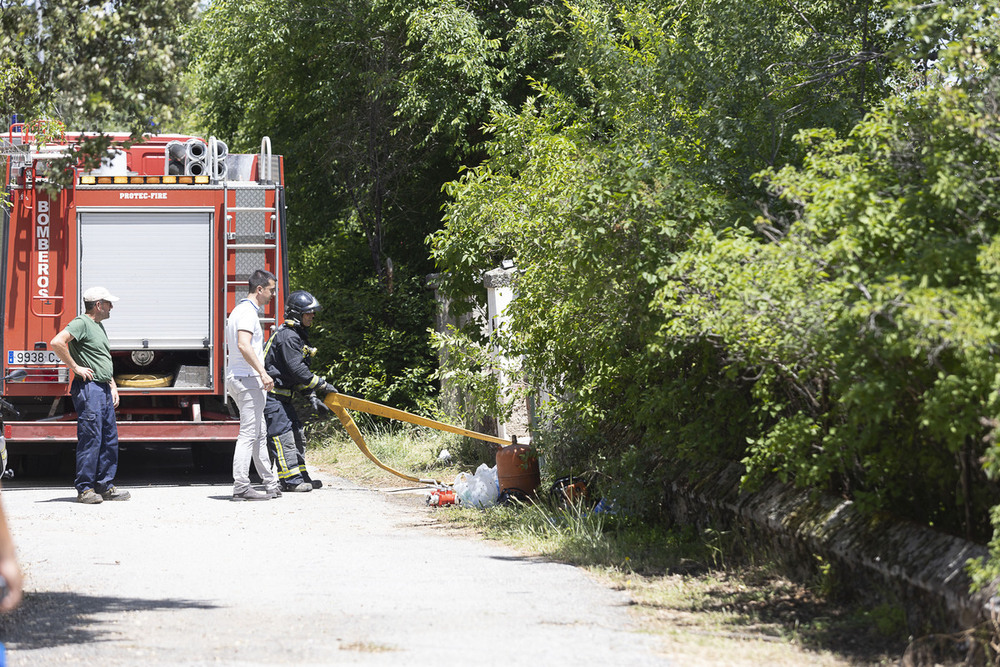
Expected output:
{"points": [[879, 557]]}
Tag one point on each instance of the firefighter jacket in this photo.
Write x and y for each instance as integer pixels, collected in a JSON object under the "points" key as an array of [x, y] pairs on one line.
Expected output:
{"points": [[287, 358]]}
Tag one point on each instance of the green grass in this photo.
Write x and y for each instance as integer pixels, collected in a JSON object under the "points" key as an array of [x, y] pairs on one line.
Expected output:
{"points": [[578, 535], [412, 451]]}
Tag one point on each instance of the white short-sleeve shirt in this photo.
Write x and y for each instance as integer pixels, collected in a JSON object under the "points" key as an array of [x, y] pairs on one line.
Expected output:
{"points": [[245, 317]]}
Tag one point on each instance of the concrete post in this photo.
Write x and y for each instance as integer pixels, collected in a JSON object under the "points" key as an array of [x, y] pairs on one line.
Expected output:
{"points": [[499, 294], [452, 397]]}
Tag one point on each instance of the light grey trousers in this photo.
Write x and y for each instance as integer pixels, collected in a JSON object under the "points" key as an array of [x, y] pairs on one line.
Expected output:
{"points": [[251, 444]]}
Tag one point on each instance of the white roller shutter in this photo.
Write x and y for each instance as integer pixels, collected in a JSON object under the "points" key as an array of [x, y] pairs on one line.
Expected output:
{"points": [[160, 265]]}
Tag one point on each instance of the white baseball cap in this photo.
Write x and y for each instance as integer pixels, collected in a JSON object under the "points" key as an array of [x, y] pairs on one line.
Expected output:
{"points": [[98, 294]]}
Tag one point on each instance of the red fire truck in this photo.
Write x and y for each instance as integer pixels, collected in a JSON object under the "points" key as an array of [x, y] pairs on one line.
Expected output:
{"points": [[173, 226]]}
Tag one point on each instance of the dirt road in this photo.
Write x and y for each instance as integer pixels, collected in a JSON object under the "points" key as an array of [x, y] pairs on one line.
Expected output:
{"points": [[342, 575]]}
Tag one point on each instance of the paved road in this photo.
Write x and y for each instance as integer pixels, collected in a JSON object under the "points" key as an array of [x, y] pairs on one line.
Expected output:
{"points": [[342, 575]]}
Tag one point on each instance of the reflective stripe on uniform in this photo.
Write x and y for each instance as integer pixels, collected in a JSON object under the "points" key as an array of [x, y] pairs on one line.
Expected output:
{"points": [[279, 452], [267, 348], [313, 383]]}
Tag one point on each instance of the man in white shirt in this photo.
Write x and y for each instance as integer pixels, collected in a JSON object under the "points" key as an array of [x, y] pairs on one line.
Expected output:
{"points": [[248, 383]]}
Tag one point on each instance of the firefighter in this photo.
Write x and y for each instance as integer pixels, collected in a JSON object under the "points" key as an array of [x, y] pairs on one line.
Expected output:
{"points": [[287, 360]]}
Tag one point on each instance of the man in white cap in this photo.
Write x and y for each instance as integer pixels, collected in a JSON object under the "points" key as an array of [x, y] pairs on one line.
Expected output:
{"points": [[84, 347]]}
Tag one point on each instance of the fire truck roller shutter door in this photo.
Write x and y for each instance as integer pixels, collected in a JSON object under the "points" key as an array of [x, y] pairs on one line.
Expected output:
{"points": [[160, 264]]}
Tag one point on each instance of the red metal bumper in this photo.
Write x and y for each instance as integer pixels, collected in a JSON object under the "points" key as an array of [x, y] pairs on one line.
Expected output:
{"points": [[128, 431]]}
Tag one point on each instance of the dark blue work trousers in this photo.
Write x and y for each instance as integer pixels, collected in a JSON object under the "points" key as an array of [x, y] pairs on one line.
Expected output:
{"points": [[96, 435]]}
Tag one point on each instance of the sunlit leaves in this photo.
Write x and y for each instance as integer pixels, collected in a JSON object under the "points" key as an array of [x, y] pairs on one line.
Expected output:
{"points": [[870, 316], [99, 64]]}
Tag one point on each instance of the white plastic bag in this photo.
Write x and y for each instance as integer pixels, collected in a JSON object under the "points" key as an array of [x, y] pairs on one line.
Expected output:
{"points": [[461, 486], [479, 490], [483, 489], [489, 476]]}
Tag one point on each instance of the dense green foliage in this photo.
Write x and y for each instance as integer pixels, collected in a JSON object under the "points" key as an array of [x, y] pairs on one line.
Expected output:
{"points": [[773, 246], [868, 318], [374, 105], [601, 181], [91, 66], [95, 63]]}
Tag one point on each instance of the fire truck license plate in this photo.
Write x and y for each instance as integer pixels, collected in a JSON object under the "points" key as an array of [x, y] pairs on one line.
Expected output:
{"points": [[31, 357]]}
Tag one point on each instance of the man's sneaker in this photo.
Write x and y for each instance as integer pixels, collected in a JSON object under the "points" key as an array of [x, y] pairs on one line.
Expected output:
{"points": [[273, 492], [251, 493], [113, 493], [89, 497], [301, 487]]}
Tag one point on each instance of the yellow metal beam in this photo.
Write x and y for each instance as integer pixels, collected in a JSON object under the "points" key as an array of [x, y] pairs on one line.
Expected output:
{"points": [[340, 403]]}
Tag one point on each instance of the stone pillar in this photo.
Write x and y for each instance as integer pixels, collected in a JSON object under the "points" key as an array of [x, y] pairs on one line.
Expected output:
{"points": [[452, 396], [499, 294]]}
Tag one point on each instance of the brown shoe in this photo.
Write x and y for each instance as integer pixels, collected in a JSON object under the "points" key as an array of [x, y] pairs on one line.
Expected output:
{"points": [[112, 493], [89, 497]]}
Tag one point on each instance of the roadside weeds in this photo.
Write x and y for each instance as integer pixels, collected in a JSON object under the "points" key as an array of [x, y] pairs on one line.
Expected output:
{"points": [[706, 610]]}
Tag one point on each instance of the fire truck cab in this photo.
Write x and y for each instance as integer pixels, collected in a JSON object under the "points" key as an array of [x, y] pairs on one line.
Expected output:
{"points": [[173, 226]]}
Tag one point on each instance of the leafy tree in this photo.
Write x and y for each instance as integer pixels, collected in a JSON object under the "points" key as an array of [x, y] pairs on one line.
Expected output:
{"points": [[638, 152], [374, 105], [91, 66], [97, 63], [18, 88], [868, 318], [337, 88], [324, 82]]}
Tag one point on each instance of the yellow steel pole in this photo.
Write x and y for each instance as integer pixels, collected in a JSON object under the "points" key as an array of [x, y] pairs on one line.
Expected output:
{"points": [[339, 403]]}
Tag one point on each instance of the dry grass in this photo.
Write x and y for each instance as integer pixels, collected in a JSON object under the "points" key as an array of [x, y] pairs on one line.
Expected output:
{"points": [[411, 451], [367, 647], [748, 617]]}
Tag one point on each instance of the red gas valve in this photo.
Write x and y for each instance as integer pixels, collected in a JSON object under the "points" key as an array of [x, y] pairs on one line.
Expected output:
{"points": [[441, 497]]}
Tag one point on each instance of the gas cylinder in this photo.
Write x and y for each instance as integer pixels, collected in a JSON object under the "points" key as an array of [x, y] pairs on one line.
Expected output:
{"points": [[517, 468]]}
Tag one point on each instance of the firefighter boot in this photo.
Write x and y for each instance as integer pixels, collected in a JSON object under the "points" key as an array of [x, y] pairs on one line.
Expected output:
{"points": [[315, 483]]}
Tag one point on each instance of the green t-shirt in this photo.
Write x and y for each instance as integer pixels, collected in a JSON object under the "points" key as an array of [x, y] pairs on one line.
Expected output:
{"points": [[90, 347]]}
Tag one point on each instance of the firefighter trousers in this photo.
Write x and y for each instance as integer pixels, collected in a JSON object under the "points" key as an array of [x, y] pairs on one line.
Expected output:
{"points": [[286, 441]]}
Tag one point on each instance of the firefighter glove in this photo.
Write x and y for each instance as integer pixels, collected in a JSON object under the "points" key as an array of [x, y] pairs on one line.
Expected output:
{"points": [[317, 405]]}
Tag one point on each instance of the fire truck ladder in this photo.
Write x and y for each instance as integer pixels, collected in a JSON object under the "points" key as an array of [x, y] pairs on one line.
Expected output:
{"points": [[251, 225]]}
